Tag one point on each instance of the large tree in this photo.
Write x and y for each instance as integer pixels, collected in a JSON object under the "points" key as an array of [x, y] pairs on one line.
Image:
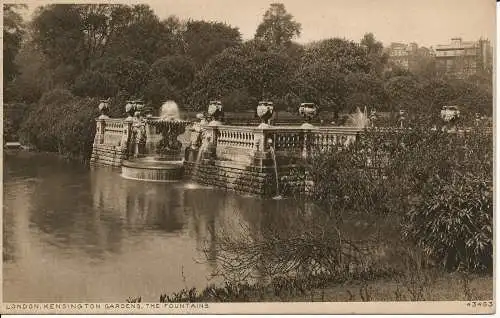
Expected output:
{"points": [[170, 78], [13, 32], [78, 35], [204, 40], [278, 27], [35, 76], [322, 83], [141, 35], [220, 77], [375, 51], [268, 74], [347, 56], [365, 89], [405, 92], [129, 74]]}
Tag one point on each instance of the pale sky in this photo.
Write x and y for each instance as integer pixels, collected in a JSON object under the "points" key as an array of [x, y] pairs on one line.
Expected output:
{"points": [[427, 22]]}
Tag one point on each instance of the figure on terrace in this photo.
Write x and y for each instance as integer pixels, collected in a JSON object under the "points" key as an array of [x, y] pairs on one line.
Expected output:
{"points": [[197, 131], [139, 133]]}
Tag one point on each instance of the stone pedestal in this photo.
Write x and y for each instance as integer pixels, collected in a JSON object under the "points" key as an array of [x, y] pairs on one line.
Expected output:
{"points": [[100, 128]]}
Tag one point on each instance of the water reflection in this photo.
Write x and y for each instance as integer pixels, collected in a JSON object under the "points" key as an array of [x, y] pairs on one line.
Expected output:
{"points": [[73, 234], [137, 205], [84, 235]]}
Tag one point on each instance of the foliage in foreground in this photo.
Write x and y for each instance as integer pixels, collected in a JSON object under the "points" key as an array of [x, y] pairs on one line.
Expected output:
{"points": [[438, 184], [414, 282]]}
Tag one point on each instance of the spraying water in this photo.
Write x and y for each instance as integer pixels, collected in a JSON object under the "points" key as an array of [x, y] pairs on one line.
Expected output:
{"points": [[196, 166], [203, 148], [169, 111], [358, 119]]}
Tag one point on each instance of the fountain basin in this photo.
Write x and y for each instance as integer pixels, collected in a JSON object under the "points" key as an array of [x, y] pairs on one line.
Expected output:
{"points": [[151, 169]]}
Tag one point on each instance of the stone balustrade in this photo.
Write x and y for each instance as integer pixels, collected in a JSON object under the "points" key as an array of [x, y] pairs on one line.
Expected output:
{"points": [[112, 131], [250, 159], [243, 143], [112, 142], [238, 137], [241, 157]]}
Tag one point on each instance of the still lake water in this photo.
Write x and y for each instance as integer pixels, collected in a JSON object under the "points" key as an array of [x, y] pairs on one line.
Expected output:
{"points": [[76, 234]]}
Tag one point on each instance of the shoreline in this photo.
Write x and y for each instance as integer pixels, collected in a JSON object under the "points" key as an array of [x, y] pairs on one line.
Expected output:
{"points": [[398, 287]]}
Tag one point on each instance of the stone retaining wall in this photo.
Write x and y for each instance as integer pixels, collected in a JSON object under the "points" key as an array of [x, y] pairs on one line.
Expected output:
{"points": [[107, 155], [244, 179]]}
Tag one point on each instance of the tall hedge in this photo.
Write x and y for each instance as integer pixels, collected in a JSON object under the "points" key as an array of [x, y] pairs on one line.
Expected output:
{"points": [[62, 123]]}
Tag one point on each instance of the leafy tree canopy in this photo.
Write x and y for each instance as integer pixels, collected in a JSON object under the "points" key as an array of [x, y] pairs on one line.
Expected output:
{"points": [[278, 27]]}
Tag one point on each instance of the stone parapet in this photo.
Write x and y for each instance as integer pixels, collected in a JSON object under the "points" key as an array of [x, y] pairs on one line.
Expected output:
{"points": [[255, 180], [107, 155]]}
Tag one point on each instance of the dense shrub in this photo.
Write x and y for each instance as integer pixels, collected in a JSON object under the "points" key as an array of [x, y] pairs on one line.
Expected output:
{"points": [[452, 218], [438, 184], [62, 123], [453, 222]]}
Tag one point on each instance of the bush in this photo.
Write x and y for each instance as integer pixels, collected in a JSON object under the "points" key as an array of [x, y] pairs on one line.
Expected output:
{"points": [[438, 184], [62, 123], [453, 222], [452, 218]]}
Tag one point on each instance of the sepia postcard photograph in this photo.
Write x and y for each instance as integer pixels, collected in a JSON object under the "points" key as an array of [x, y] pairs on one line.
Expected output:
{"points": [[248, 157]]}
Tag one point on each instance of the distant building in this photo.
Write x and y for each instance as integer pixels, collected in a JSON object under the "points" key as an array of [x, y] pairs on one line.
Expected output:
{"points": [[398, 54], [464, 58], [407, 56]]}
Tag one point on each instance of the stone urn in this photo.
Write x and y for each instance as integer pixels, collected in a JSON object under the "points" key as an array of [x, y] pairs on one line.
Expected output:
{"points": [[215, 113], [265, 111], [104, 108], [308, 111]]}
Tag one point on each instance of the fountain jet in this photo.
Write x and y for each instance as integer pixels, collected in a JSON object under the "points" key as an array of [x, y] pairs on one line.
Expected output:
{"points": [[359, 119], [166, 165], [169, 111]]}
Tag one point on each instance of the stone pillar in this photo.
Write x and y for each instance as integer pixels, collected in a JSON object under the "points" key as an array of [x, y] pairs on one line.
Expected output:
{"points": [[259, 141], [306, 146], [261, 151], [100, 129], [210, 136]]}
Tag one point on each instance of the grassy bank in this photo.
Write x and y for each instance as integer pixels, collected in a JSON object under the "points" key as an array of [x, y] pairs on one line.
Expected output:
{"points": [[386, 285]]}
